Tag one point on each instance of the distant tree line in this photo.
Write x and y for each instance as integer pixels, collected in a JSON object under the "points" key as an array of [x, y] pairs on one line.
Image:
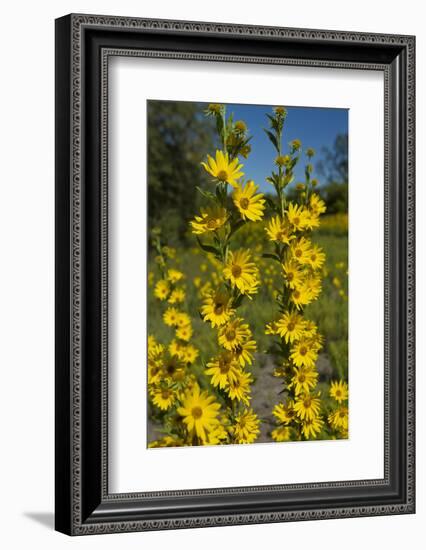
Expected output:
{"points": [[178, 137], [333, 168]]}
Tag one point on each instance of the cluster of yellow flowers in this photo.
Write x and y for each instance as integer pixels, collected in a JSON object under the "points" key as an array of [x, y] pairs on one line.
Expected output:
{"points": [[221, 413], [169, 374], [208, 402], [238, 276], [338, 418], [300, 415]]}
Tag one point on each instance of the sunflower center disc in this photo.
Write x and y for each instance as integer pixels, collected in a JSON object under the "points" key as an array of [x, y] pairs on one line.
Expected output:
{"points": [[236, 270], [197, 412]]}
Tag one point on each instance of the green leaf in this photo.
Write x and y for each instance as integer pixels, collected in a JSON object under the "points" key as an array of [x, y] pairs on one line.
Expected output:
{"points": [[220, 194], [272, 120], [278, 250], [230, 122], [235, 227], [219, 125], [208, 248], [294, 161], [207, 194], [272, 138], [271, 256], [238, 301], [271, 203]]}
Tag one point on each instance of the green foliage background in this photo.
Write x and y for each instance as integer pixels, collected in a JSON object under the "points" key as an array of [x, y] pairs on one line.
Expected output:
{"points": [[178, 137]]}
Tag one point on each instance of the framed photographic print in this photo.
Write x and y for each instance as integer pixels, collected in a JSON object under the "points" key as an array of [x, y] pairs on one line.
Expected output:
{"points": [[234, 274]]}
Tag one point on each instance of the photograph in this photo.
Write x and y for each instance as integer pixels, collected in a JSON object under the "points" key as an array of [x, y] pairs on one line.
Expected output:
{"points": [[234, 271], [247, 282]]}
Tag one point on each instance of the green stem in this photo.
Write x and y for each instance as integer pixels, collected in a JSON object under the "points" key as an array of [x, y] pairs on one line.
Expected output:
{"points": [[224, 127]]}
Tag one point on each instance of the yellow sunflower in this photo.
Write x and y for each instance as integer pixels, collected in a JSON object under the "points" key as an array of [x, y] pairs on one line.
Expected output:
{"points": [[299, 250], [154, 372], [217, 435], [173, 368], [163, 398], [216, 308], [271, 328], [279, 230], [311, 286], [239, 388], [310, 328], [223, 169], [280, 434], [170, 316], [155, 349], [173, 275], [223, 369], [316, 257], [184, 333], [297, 216], [339, 419], [311, 427], [301, 297], [183, 319], [189, 354], [316, 204], [210, 219], [285, 413], [177, 348], [177, 296], [244, 352], [246, 427], [250, 205], [293, 275], [307, 406], [339, 391], [291, 327], [162, 289], [234, 333], [199, 412], [311, 220], [241, 272], [304, 380], [304, 353]]}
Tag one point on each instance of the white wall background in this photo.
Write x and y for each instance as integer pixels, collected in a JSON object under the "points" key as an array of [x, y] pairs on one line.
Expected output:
{"points": [[26, 289]]}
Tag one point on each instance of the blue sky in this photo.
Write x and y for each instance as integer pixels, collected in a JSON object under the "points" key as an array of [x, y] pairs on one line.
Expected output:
{"points": [[315, 127]]}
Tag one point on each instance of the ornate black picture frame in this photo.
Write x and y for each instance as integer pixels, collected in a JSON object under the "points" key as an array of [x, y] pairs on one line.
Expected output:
{"points": [[84, 44]]}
